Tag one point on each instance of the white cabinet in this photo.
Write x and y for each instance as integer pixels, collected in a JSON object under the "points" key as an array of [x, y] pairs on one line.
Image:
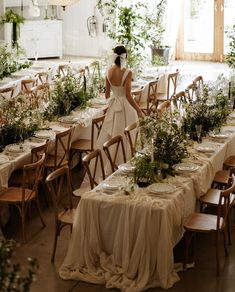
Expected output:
{"points": [[17, 3], [41, 38]]}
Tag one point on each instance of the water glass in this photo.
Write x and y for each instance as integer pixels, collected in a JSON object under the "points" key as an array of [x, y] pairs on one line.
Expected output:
{"points": [[198, 132]]}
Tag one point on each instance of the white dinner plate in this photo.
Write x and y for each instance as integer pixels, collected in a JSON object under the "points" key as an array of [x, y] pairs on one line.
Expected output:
{"points": [[232, 115], [126, 168], [205, 148], [45, 134], [15, 148], [161, 188], [3, 159], [113, 184], [218, 135], [67, 119], [148, 77], [186, 166]]}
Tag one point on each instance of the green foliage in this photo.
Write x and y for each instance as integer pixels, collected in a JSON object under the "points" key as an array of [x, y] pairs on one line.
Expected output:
{"points": [[144, 170], [10, 61], [11, 276], [154, 26], [12, 17], [68, 94], [230, 58]]}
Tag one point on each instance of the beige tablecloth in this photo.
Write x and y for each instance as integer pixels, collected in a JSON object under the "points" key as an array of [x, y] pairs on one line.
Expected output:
{"points": [[127, 241]]}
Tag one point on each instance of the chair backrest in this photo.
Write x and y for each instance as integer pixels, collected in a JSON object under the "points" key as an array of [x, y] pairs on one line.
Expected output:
{"points": [[96, 157], [191, 92], [172, 84], [37, 152], [95, 68], [62, 148], [63, 70], [179, 99], [152, 96], [31, 177], [40, 93], [27, 84], [59, 186], [132, 133], [42, 78], [115, 151], [97, 124], [162, 107], [136, 95], [7, 92], [198, 81], [225, 204]]}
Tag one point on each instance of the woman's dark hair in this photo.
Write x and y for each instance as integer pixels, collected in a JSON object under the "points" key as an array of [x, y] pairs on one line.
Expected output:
{"points": [[119, 50]]}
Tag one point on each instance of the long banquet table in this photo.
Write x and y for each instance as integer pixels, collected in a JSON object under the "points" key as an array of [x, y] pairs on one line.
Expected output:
{"points": [[126, 241]]}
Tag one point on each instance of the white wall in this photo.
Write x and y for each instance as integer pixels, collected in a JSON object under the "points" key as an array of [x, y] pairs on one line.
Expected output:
{"points": [[76, 40]]}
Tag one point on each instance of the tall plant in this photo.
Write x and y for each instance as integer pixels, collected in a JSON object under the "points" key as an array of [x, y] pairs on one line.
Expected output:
{"points": [[230, 59]]}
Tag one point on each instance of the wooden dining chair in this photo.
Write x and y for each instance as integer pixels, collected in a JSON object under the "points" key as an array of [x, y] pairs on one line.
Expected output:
{"points": [[209, 223], [42, 78], [39, 94], [151, 103], [16, 178], [131, 132], [7, 92], [198, 81], [211, 199], [63, 70], [180, 99], [59, 186], [26, 85], [87, 145], [21, 197], [115, 151], [172, 79], [162, 107], [98, 164], [191, 92], [60, 153], [136, 95]]}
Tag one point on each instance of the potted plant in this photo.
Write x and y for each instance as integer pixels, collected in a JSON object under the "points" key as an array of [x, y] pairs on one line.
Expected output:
{"points": [[11, 16], [154, 33]]}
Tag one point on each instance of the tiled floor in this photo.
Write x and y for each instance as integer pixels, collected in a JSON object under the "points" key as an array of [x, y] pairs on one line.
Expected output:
{"points": [[200, 278]]}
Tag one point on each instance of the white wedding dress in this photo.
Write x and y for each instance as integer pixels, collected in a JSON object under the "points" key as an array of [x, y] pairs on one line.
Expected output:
{"points": [[119, 115]]}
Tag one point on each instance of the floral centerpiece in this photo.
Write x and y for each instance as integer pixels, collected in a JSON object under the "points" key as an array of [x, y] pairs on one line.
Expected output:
{"points": [[167, 146], [210, 109], [10, 60], [17, 120], [69, 92]]}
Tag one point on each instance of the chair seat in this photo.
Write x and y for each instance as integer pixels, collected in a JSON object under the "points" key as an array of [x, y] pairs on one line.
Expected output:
{"points": [[16, 178], [81, 145], [14, 195], [50, 161], [201, 222], [67, 216], [211, 197], [222, 177], [230, 162]]}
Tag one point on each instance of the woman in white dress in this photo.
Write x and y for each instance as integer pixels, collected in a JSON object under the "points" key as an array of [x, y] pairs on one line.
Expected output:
{"points": [[123, 110]]}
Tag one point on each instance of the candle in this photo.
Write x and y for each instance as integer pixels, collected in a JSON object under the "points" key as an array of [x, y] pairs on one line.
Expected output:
{"points": [[152, 150]]}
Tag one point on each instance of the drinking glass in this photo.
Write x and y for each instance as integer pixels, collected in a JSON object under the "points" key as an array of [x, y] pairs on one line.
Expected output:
{"points": [[198, 132]]}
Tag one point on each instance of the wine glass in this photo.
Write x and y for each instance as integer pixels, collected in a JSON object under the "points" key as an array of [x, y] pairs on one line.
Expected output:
{"points": [[198, 132]]}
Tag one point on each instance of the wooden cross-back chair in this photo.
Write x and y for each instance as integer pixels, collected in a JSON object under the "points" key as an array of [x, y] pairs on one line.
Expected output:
{"points": [[59, 186], [39, 94], [115, 151], [96, 157], [22, 196], [198, 81], [162, 107], [95, 68], [191, 91], [151, 98], [136, 95], [132, 133], [87, 145], [26, 85], [7, 92], [63, 70], [60, 154], [209, 223], [16, 178], [180, 98], [42, 78], [172, 79]]}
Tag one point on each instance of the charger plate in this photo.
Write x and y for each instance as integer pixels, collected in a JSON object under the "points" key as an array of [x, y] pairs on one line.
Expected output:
{"points": [[161, 188]]}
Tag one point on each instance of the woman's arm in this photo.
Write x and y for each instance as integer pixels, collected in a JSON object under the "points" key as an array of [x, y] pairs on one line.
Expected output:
{"points": [[107, 88], [129, 96]]}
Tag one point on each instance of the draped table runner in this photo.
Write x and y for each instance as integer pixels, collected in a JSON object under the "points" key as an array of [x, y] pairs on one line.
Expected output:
{"points": [[126, 241]]}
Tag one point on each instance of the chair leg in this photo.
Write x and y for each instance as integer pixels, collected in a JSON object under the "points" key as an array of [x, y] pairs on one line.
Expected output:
{"points": [[188, 238], [55, 242], [40, 212], [23, 223], [217, 252], [228, 229]]}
